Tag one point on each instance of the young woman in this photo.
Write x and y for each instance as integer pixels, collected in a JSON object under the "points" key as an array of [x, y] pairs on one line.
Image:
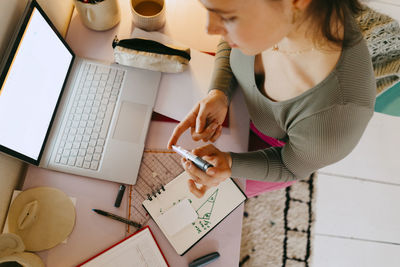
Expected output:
{"points": [[307, 79]]}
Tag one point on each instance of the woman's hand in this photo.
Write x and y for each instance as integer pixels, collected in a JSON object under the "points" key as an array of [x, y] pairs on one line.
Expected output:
{"points": [[214, 175], [205, 119]]}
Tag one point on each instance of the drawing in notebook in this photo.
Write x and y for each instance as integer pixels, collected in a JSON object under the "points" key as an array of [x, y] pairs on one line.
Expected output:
{"points": [[159, 191], [173, 207], [205, 210]]}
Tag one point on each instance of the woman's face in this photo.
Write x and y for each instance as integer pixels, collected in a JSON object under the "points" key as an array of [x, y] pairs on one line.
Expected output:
{"points": [[249, 25]]}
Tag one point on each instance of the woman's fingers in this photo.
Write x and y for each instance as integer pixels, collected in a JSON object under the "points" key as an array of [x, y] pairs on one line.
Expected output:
{"points": [[210, 131], [217, 134], [194, 178], [206, 134], [201, 119], [185, 124], [198, 192], [207, 150], [220, 160], [204, 119], [213, 176], [209, 158], [198, 175]]}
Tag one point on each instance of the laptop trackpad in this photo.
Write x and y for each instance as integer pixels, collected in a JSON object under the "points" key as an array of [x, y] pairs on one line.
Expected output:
{"points": [[130, 122]]}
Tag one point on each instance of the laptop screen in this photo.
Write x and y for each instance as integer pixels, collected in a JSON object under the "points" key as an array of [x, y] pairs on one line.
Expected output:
{"points": [[31, 85]]}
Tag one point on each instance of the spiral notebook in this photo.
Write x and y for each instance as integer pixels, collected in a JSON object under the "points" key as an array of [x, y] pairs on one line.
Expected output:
{"points": [[185, 219]]}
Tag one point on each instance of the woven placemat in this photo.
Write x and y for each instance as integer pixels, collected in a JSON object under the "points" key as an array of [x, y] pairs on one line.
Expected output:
{"points": [[278, 227]]}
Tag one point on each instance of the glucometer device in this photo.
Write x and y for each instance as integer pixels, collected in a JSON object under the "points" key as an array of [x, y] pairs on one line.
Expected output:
{"points": [[199, 162]]}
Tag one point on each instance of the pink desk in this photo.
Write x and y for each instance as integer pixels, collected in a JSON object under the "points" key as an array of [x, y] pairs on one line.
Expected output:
{"points": [[93, 233]]}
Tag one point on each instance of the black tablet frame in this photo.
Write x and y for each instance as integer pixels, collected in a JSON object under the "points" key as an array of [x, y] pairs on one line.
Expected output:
{"points": [[7, 62]]}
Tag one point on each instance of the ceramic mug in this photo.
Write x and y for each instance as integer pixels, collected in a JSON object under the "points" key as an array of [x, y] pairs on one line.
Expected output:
{"points": [[148, 15], [99, 15]]}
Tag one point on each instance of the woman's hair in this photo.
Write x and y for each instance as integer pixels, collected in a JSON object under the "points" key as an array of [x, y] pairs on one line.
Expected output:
{"points": [[330, 15]]}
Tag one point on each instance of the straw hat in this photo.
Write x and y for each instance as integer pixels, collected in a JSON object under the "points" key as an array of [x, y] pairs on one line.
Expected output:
{"points": [[43, 217]]}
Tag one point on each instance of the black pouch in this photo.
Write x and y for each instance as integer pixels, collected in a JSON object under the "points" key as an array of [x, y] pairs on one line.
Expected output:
{"points": [[150, 55]]}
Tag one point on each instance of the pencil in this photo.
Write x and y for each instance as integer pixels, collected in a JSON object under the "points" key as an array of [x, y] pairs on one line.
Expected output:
{"points": [[118, 218]]}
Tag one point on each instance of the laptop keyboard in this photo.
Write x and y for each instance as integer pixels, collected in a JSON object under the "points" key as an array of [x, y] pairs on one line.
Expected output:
{"points": [[83, 139]]}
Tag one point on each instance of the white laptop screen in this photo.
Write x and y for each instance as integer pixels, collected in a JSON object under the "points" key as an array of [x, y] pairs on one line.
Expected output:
{"points": [[32, 86]]}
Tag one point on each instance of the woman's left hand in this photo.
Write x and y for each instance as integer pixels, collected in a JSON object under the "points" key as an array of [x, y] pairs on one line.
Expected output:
{"points": [[214, 175]]}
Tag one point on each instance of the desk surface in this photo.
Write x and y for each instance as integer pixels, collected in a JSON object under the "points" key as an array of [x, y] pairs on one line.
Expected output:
{"points": [[93, 233]]}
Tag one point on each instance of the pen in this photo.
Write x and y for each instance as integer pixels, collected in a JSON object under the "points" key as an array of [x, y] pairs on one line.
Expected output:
{"points": [[199, 162], [203, 261], [118, 218]]}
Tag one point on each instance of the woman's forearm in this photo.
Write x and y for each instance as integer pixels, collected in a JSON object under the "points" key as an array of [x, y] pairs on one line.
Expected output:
{"points": [[222, 78]]}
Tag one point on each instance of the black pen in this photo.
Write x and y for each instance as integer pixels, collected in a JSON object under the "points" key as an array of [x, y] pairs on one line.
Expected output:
{"points": [[203, 261], [118, 218]]}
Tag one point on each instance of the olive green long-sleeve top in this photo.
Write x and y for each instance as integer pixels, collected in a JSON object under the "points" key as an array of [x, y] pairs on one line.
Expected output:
{"points": [[321, 126]]}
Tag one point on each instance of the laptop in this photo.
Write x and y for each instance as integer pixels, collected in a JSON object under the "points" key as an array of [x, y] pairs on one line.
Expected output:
{"points": [[71, 114]]}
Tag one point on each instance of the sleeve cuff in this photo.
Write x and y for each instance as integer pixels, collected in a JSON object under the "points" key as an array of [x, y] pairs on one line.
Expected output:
{"points": [[250, 165]]}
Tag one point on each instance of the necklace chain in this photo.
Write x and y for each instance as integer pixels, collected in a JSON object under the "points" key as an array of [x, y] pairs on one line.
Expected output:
{"points": [[276, 48]]}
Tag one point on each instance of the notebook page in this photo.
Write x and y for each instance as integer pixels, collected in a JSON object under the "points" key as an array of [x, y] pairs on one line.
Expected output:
{"points": [[138, 250], [212, 208]]}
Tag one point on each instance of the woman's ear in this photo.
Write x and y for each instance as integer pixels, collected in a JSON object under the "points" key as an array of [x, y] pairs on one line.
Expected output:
{"points": [[301, 4]]}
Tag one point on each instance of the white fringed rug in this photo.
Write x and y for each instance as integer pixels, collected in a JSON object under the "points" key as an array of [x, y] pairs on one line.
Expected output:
{"points": [[278, 227]]}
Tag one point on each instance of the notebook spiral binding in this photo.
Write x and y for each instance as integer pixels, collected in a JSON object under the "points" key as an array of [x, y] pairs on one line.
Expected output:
{"points": [[155, 192]]}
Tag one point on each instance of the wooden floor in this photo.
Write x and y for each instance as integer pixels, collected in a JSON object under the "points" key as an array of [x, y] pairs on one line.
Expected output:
{"points": [[358, 219]]}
